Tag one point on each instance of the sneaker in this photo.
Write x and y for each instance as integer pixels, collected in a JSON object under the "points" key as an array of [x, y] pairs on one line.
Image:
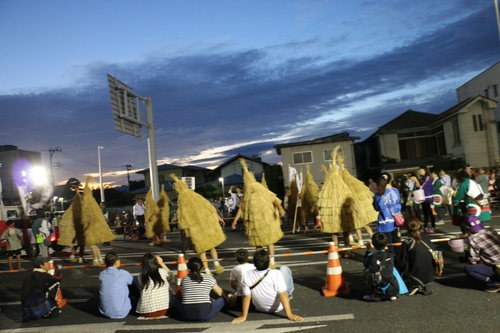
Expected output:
{"points": [[290, 297], [413, 291], [219, 269], [80, 260], [72, 259], [431, 230], [96, 262], [440, 222], [493, 289], [361, 243]]}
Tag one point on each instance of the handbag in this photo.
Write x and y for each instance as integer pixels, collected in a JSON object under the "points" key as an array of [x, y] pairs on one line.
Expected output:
{"points": [[399, 219], [419, 195], [438, 260]]}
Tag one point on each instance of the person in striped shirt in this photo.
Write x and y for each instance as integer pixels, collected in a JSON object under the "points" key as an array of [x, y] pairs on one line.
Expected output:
{"points": [[195, 303]]}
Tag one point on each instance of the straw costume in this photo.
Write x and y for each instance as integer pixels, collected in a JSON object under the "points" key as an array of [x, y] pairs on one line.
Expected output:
{"points": [[163, 221], [291, 209], [308, 196], [332, 197], [362, 198], [261, 216], [263, 181], [151, 215], [70, 225], [96, 229], [200, 221]]}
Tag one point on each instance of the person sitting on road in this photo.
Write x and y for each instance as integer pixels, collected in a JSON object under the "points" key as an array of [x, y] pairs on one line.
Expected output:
{"points": [[38, 286], [484, 248], [113, 291], [270, 290], [195, 303], [414, 260], [236, 276], [379, 267], [155, 289]]}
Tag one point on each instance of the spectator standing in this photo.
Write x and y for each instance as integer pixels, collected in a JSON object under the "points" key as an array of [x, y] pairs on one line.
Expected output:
{"points": [[41, 231], [13, 237], [387, 202], [436, 187], [138, 211], [425, 183], [482, 180], [372, 185]]}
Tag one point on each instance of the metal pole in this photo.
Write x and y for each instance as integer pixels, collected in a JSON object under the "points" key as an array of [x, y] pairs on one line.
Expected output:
{"points": [[152, 149], [100, 172]]}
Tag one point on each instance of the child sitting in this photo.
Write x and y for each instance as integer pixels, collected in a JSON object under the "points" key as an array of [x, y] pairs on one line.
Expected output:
{"points": [[379, 267], [236, 276]]}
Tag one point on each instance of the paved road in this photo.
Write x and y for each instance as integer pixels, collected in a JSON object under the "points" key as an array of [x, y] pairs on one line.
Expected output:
{"points": [[457, 305]]}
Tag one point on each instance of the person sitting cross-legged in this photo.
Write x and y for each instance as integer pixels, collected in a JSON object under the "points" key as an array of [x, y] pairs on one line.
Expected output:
{"points": [[269, 290]]}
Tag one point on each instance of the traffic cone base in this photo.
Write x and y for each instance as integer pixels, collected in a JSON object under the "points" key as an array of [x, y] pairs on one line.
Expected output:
{"points": [[335, 284]]}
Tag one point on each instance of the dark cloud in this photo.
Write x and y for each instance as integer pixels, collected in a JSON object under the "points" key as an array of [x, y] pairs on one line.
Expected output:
{"points": [[223, 98]]}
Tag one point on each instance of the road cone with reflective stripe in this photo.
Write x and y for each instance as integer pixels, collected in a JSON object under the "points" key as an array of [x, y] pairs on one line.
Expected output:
{"points": [[335, 284], [59, 297], [182, 271]]}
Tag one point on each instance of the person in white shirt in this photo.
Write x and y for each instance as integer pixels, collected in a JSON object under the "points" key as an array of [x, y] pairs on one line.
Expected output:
{"points": [[236, 198], [269, 290], [138, 212], [236, 276]]}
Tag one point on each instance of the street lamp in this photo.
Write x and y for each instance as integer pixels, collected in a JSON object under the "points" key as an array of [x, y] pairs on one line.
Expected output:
{"points": [[222, 204], [100, 172]]}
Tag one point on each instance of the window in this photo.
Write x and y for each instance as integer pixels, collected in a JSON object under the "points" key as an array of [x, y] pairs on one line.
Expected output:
{"points": [[480, 122], [327, 154], [456, 132], [495, 90], [474, 120], [486, 93], [302, 158]]}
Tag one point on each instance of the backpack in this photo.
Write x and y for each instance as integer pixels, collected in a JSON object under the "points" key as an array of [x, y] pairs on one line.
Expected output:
{"points": [[36, 305], [373, 275]]}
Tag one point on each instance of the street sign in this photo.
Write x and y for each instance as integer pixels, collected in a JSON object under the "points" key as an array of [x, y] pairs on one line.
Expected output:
{"points": [[125, 107], [189, 182]]}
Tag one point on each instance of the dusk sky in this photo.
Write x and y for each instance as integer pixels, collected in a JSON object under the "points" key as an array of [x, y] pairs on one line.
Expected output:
{"points": [[227, 77]]}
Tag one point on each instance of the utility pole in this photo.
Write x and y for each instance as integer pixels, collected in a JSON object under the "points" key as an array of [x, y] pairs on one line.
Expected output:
{"points": [[129, 167], [51, 152], [100, 172]]}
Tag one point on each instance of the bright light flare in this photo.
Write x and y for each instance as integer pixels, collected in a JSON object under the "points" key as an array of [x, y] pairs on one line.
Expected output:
{"points": [[39, 175]]}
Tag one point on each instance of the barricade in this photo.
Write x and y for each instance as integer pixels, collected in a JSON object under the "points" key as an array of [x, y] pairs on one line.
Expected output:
{"points": [[335, 284]]}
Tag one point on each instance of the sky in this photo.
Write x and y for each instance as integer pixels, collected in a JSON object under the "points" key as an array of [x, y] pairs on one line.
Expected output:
{"points": [[227, 77]]}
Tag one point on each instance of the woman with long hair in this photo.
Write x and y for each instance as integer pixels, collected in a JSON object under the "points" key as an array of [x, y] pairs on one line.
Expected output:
{"points": [[414, 260], [155, 289], [387, 202], [425, 183], [195, 303]]}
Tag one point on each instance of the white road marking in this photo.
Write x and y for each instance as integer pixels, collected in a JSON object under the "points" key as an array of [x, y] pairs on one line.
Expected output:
{"points": [[164, 324]]}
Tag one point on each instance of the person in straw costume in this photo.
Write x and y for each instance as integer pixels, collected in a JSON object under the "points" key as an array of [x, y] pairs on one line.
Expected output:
{"points": [[308, 196], [201, 223], [260, 210], [335, 198], [361, 205], [71, 229], [96, 229], [157, 216]]}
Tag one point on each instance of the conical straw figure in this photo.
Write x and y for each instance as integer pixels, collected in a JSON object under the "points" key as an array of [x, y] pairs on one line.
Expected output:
{"points": [[201, 223]]}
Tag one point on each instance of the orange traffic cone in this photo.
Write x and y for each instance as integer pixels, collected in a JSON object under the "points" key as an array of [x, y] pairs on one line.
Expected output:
{"points": [[182, 271], [59, 298], [335, 284]]}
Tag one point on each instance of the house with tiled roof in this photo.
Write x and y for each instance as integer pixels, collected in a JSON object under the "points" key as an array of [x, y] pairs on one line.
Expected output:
{"points": [[315, 153], [466, 130]]}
